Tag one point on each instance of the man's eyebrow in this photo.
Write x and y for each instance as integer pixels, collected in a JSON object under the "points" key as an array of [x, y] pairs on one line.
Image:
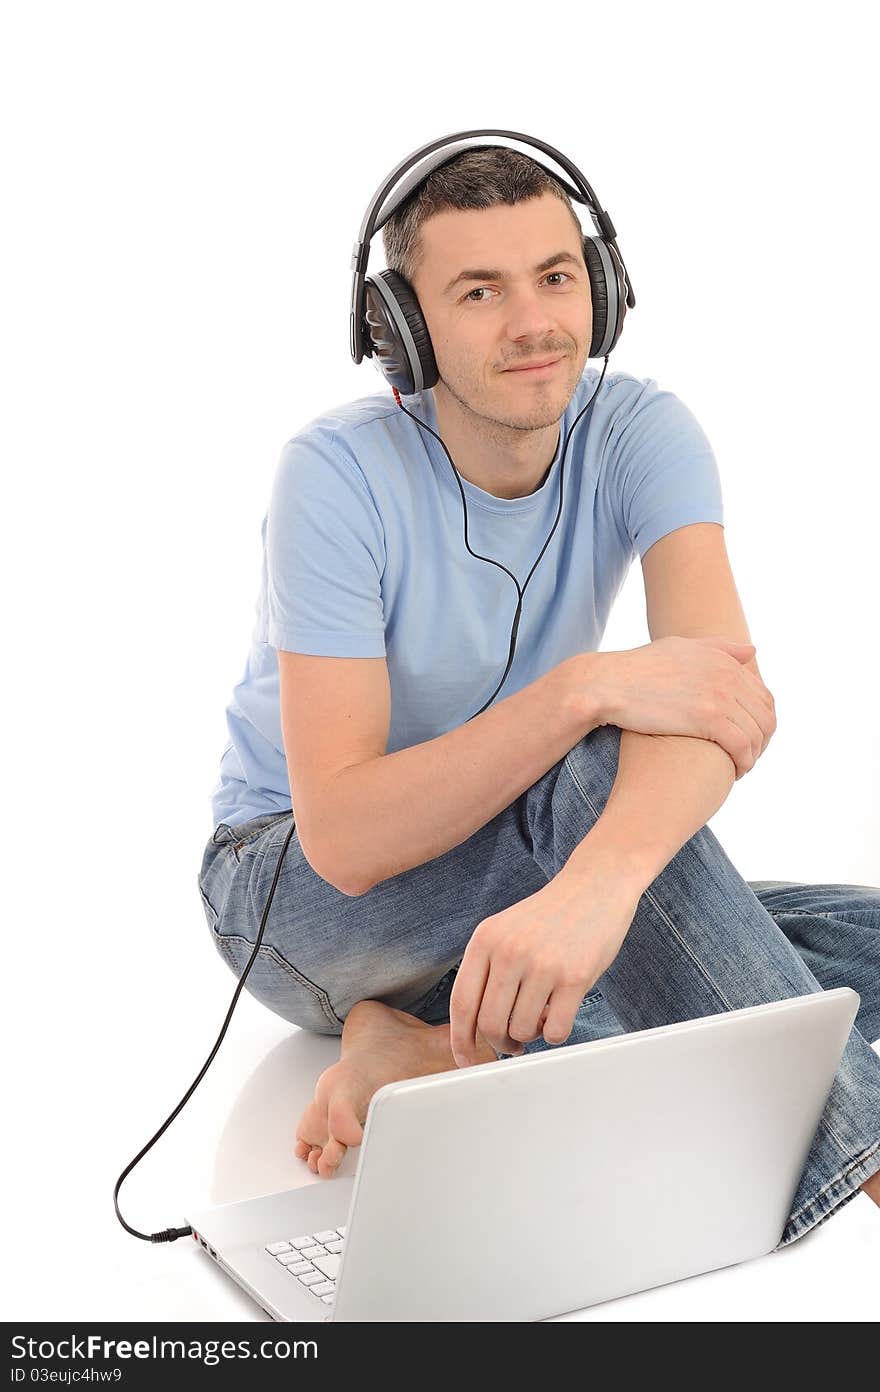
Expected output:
{"points": [[482, 274]]}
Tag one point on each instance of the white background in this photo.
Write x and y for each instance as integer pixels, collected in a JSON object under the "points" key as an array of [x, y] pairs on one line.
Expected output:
{"points": [[183, 185]]}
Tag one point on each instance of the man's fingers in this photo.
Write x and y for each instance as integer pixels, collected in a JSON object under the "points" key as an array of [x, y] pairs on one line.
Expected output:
{"points": [[748, 724], [564, 1005], [499, 997], [767, 702], [464, 1005], [529, 1009]]}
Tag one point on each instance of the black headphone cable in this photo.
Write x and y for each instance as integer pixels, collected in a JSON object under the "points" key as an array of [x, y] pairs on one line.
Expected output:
{"points": [[520, 592]]}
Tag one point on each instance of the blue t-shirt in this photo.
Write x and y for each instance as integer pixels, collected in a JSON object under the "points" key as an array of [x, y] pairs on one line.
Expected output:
{"points": [[364, 556]]}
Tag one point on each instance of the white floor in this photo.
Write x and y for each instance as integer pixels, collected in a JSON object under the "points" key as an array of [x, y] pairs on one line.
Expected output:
{"points": [[234, 1139]]}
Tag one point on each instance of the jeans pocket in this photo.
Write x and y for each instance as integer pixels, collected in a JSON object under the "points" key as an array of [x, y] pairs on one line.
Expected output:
{"points": [[433, 1007], [277, 984]]}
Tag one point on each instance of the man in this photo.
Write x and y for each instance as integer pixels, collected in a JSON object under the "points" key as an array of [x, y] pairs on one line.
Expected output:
{"points": [[460, 887]]}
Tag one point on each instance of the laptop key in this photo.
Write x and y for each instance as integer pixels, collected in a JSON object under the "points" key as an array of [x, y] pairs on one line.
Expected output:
{"points": [[316, 1251], [288, 1258], [299, 1268], [309, 1278], [334, 1246], [323, 1288], [275, 1247], [300, 1242], [329, 1236], [329, 1265]]}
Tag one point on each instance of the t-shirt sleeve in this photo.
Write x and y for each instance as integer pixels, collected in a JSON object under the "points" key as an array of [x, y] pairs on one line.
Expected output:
{"points": [[325, 555], [664, 472]]}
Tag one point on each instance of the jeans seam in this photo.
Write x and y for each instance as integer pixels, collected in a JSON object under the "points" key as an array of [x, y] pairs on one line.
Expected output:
{"points": [[275, 956], [435, 990], [832, 1183], [844, 915], [205, 900]]}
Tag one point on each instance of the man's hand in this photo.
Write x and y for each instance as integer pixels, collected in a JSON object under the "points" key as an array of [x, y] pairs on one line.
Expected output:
{"points": [[526, 970], [699, 687]]}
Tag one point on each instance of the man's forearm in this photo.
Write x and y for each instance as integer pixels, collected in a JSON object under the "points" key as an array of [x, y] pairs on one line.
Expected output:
{"points": [[389, 814], [667, 787]]}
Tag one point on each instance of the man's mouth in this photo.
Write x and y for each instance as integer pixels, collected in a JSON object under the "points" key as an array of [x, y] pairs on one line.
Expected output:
{"points": [[541, 365]]}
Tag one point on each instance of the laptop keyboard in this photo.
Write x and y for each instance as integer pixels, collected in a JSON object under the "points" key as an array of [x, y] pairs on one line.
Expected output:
{"points": [[313, 1259]]}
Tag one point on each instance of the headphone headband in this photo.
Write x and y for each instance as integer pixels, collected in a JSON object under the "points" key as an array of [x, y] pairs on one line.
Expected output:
{"points": [[384, 203]]}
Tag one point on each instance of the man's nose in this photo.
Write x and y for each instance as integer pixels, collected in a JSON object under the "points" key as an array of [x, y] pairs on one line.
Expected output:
{"points": [[528, 313]]}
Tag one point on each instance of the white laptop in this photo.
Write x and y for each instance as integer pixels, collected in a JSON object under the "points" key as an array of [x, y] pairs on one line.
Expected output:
{"points": [[541, 1184]]}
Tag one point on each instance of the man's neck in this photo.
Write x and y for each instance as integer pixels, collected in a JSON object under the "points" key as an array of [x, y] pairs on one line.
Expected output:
{"points": [[503, 461]]}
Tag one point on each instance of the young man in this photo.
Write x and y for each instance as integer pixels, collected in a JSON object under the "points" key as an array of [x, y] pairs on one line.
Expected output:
{"points": [[461, 886]]}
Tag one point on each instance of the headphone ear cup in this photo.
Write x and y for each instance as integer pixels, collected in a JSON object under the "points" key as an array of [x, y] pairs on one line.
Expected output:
{"points": [[599, 292], [397, 334], [608, 288]]}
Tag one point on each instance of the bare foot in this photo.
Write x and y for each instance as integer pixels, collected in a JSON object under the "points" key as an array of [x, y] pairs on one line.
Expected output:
{"points": [[379, 1045]]}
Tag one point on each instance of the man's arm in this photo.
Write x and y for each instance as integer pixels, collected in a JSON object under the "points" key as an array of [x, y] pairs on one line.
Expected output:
{"points": [[363, 815], [668, 786]]}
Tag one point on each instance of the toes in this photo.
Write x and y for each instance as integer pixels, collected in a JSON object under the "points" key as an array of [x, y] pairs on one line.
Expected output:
{"points": [[313, 1124], [326, 1129], [331, 1157], [344, 1124], [311, 1133], [322, 1160]]}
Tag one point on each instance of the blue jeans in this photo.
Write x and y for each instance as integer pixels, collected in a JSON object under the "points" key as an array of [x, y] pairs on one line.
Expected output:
{"points": [[702, 940]]}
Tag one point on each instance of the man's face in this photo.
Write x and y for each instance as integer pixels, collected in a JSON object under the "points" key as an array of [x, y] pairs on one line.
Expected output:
{"points": [[484, 327]]}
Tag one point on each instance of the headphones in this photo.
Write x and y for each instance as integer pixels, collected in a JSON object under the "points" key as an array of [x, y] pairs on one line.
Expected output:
{"points": [[386, 320]]}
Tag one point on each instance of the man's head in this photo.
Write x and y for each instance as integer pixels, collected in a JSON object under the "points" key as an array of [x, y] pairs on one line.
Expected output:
{"points": [[499, 214]]}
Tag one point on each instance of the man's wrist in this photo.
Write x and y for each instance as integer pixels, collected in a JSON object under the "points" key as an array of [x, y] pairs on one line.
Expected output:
{"points": [[613, 858], [585, 675]]}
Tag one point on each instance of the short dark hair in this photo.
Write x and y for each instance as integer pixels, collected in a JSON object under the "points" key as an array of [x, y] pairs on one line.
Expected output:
{"points": [[472, 179]]}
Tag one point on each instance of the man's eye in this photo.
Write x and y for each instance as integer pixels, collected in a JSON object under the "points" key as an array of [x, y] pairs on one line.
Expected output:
{"points": [[486, 287]]}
